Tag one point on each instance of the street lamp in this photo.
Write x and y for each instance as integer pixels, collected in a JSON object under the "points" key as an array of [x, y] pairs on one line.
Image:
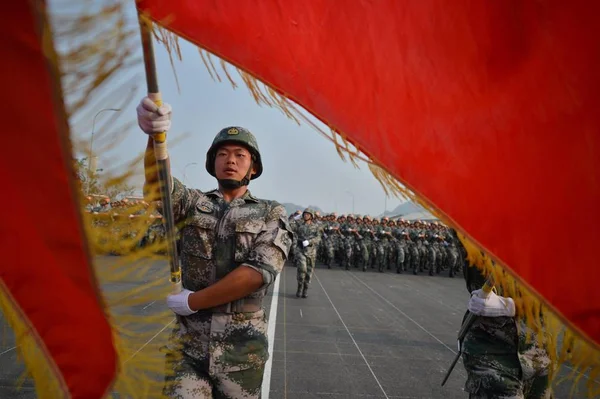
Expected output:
{"points": [[90, 159], [352, 194], [385, 205], [186, 165]]}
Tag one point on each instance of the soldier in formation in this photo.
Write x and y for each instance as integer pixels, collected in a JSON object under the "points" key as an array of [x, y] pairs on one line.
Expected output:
{"points": [[124, 225], [363, 242], [307, 234]]}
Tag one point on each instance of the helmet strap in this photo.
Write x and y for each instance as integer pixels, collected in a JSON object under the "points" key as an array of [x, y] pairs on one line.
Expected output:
{"points": [[232, 184]]}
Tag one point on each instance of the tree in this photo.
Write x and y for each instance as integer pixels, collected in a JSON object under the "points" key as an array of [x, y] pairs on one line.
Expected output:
{"points": [[119, 190], [90, 182]]}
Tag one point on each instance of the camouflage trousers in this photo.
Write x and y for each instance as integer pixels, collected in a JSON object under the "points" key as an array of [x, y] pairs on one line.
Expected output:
{"points": [[348, 252], [329, 251], [400, 257], [382, 255], [501, 377], [431, 259], [217, 356], [412, 258], [363, 259], [452, 261], [305, 265]]}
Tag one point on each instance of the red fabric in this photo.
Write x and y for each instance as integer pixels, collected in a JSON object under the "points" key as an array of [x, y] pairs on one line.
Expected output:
{"points": [[45, 264], [487, 109]]}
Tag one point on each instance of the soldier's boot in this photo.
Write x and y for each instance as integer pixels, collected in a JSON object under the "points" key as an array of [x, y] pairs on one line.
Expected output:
{"points": [[299, 291], [451, 275], [304, 291], [399, 269]]}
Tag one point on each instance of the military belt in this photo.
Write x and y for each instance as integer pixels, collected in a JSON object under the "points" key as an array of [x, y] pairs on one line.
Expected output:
{"points": [[244, 305]]}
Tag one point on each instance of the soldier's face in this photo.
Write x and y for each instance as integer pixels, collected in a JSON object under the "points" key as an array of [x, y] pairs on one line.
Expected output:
{"points": [[232, 162]]}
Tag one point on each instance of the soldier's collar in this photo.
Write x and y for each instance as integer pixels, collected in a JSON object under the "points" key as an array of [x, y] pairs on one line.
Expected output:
{"points": [[248, 197]]}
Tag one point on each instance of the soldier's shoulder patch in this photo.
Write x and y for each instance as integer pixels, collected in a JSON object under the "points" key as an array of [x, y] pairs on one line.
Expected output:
{"points": [[205, 207]]}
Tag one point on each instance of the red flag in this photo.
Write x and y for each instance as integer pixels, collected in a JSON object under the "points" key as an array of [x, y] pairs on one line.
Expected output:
{"points": [[48, 289], [489, 111]]}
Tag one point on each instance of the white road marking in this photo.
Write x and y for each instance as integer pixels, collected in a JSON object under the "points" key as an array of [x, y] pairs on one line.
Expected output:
{"points": [[352, 338], [266, 384], [150, 340], [403, 314], [8, 350]]}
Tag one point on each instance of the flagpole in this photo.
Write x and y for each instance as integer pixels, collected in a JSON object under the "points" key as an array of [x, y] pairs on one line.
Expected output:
{"points": [[161, 154]]}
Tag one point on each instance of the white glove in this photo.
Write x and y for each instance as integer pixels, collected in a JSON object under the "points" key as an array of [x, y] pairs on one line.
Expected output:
{"points": [[490, 306], [305, 243], [178, 303], [153, 119]]}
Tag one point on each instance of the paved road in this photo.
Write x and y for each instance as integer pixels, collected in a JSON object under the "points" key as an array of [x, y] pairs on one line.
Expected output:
{"points": [[357, 335]]}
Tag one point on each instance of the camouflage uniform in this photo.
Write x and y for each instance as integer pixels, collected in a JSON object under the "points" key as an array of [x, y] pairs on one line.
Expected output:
{"points": [[293, 221], [400, 244], [347, 244], [413, 248], [224, 349], [367, 241], [361, 256], [383, 245], [306, 256], [500, 363], [331, 232]]}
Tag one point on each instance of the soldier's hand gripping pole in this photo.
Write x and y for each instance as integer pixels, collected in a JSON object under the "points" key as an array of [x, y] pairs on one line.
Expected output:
{"points": [[464, 329], [161, 154]]}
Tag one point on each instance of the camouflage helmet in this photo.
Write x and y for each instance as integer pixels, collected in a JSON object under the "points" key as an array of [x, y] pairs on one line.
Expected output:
{"points": [[310, 212], [234, 135]]}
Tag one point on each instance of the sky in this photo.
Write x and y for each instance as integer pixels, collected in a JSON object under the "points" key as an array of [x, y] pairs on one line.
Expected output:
{"points": [[300, 165]]}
